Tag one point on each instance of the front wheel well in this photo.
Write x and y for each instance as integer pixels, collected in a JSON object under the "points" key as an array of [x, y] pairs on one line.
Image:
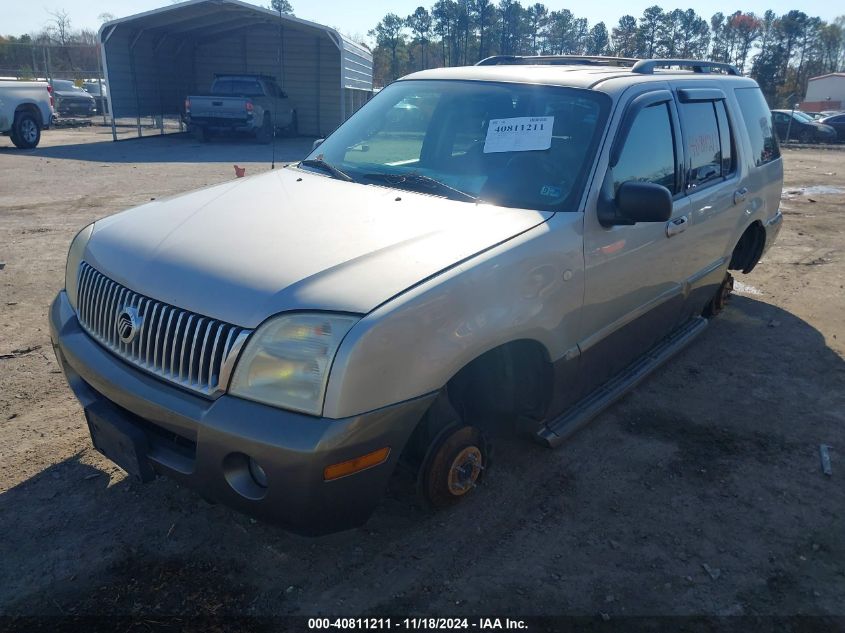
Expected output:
{"points": [[749, 249], [495, 392]]}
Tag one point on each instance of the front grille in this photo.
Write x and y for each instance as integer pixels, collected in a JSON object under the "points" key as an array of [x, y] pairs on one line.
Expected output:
{"points": [[190, 350]]}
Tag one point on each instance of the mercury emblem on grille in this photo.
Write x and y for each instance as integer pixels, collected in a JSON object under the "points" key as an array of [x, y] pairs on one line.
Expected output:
{"points": [[128, 324]]}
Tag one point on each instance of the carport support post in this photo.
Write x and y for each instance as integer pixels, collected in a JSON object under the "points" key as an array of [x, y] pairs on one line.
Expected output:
{"points": [[104, 38], [100, 83], [135, 81], [319, 132]]}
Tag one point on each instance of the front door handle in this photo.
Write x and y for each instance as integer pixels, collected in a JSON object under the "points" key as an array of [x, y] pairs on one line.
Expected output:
{"points": [[740, 195], [678, 225]]}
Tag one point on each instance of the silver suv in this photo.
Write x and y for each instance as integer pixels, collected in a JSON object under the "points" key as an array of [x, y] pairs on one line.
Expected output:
{"points": [[478, 251]]}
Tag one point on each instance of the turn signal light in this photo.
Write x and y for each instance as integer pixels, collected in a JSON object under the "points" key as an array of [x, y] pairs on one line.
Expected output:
{"points": [[352, 466]]}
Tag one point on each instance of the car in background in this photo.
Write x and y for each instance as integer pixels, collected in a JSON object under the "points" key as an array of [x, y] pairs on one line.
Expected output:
{"points": [[837, 122], [25, 110], [95, 88], [249, 104], [802, 128], [71, 100]]}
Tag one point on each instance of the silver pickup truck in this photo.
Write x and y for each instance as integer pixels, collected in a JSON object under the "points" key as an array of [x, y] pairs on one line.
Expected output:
{"points": [[249, 104], [476, 253], [26, 108]]}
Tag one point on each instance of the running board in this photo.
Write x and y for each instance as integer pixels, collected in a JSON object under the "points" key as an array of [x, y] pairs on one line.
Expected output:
{"points": [[554, 432]]}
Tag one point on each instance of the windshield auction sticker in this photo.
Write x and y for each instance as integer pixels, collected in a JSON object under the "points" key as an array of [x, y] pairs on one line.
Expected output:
{"points": [[520, 134]]}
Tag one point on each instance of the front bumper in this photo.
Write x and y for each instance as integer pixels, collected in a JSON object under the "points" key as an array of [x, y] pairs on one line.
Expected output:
{"points": [[202, 443]]}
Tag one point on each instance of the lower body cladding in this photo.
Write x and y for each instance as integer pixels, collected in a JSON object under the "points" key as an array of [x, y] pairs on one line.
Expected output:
{"points": [[263, 461]]}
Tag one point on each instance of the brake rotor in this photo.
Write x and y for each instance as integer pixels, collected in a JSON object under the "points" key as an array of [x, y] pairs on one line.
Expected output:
{"points": [[464, 471], [720, 299]]}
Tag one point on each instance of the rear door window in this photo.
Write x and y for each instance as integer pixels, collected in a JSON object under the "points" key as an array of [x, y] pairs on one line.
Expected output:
{"points": [[708, 145], [758, 123]]}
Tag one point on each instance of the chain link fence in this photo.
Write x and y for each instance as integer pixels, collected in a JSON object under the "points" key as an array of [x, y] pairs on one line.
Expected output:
{"points": [[81, 64]]}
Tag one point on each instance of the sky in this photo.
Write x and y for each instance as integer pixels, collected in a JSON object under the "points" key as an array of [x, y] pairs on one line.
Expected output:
{"points": [[357, 17]]}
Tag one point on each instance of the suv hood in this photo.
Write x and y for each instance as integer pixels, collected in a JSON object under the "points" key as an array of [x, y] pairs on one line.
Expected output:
{"points": [[292, 240]]}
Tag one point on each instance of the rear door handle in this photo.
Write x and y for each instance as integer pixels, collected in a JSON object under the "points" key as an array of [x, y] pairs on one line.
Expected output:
{"points": [[740, 195], [678, 225]]}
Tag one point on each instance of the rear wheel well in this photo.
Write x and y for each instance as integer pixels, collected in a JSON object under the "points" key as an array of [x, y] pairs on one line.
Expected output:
{"points": [[32, 109], [749, 249]]}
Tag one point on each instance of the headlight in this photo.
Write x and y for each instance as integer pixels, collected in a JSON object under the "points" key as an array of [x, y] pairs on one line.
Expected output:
{"points": [[74, 258], [287, 361]]}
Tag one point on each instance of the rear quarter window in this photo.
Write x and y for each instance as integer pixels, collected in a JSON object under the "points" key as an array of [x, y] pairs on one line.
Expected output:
{"points": [[758, 122]]}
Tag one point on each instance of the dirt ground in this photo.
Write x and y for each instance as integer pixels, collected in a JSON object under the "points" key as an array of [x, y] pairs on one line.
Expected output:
{"points": [[700, 492]]}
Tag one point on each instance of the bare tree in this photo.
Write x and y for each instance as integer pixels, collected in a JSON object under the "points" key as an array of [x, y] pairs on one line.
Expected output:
{"points": [[59, 26]]}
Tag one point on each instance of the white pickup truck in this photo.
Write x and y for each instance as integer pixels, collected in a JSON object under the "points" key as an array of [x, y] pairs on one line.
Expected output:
{"points": [[26, 108]]}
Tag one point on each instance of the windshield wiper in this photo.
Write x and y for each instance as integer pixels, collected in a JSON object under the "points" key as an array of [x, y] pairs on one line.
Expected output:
{"points": [[418, 182], [319, 163]]}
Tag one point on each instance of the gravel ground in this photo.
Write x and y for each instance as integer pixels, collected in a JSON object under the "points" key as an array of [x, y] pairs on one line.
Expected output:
{"points": [[699, 493]]}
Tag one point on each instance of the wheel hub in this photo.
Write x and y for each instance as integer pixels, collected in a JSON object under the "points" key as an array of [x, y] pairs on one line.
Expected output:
{"points": [[29, 131], [464, 471]]}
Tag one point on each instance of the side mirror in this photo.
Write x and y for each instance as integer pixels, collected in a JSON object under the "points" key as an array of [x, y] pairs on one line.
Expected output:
{"points": [[644, 202], [317, 143]]}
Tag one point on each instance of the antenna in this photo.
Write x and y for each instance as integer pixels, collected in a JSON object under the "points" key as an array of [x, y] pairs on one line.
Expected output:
{"points": [[276, 101]]}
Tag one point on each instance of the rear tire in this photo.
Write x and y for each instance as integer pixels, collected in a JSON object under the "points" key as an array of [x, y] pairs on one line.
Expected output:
{"points": [[200, 133], [264, 135], [293, 128], [25, 132], [806, 136]]}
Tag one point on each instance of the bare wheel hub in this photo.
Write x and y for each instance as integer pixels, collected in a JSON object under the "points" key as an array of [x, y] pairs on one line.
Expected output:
{"points": [[464, 471]]}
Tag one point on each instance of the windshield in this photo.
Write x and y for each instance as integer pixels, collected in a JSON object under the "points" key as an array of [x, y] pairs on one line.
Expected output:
{"points": [[516, 145], [803, 117]]}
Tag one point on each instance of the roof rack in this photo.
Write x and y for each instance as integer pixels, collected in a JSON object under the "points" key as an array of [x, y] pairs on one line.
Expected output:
{"points": [[557, 60], [647, 66], [641, 66]]}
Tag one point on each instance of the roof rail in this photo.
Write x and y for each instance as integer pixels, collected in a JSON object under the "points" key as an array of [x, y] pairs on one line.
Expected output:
{"points": [[647, 66], [561, 60]]}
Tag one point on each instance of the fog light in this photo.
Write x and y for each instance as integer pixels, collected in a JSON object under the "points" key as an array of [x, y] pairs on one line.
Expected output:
{"points": [[258, 474]]}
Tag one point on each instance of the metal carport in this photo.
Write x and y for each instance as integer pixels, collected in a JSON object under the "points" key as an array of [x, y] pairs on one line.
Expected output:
{"points": [[153, 60]]}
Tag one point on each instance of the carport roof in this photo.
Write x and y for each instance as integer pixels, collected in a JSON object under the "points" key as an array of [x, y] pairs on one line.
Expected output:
{"points": [[207, 17]]}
